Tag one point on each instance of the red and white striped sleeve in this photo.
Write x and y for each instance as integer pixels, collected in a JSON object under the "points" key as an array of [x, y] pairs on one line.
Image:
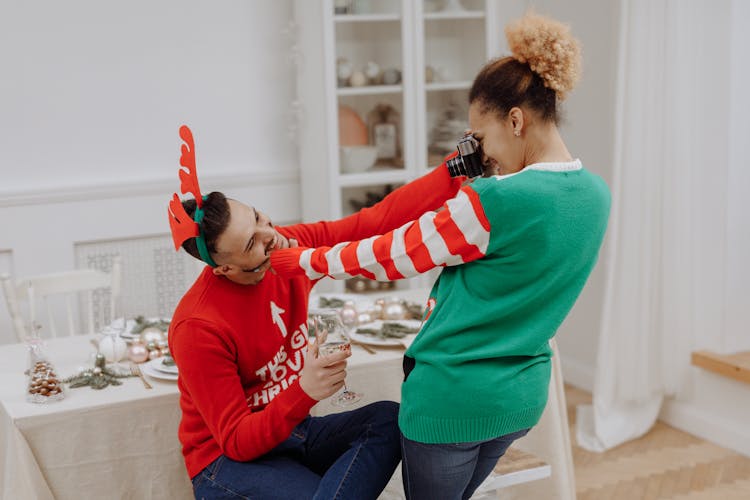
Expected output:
{"points": [[458, 233]]}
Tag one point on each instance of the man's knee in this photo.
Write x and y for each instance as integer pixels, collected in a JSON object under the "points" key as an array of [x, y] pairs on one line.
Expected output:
{"points": [[385, 412]]}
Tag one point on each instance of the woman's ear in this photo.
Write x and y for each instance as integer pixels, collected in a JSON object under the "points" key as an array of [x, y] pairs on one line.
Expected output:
{"points": [[517, 120]]}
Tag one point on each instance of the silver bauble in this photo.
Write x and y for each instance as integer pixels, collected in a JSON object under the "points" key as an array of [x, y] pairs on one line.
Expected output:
{"points": [[364, 317], [151, 334], [349, 314], [394, 310]]}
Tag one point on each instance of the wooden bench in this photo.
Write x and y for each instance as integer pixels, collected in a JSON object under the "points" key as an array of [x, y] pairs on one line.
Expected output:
{"points": [[734, 365]]}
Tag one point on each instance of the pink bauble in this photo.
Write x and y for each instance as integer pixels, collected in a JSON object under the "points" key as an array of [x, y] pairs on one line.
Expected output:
{"points": [[137, 353]]}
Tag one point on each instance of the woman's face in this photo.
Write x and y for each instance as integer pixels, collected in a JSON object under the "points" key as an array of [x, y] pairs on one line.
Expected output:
{"points": [[501, 148]]}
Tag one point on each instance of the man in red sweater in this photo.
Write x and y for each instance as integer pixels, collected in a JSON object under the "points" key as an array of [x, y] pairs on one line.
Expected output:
{"points": [[249, 377]]}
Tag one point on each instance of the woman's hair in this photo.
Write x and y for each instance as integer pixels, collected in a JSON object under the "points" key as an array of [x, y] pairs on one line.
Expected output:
{"points": [[544, 67], [215, 221]]}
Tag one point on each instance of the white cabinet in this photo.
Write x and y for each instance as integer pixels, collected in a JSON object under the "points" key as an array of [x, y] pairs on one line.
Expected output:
{"points": [[408, 36]]}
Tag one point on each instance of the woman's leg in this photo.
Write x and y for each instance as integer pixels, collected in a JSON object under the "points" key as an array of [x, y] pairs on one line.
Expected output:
{"points": [[449, 471], [489, 453], [433, 471]]}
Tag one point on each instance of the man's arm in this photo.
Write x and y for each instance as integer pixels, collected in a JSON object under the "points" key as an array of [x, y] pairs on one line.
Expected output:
{"points": [[402, 205], [457, 234]]}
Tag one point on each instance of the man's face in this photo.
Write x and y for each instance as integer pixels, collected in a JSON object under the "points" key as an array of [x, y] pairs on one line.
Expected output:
{"points": [[243, 249]]}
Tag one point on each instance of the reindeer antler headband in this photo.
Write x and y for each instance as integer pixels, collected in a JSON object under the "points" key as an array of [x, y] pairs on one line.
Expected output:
{"points": [[183, 227]]}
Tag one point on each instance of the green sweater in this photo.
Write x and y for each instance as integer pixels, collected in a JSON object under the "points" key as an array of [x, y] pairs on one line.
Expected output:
{"points": [[517, 251], [483, 357]]}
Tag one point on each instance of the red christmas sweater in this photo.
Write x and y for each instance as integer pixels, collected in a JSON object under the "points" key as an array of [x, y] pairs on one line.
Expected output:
{"points": [[240, 348]]}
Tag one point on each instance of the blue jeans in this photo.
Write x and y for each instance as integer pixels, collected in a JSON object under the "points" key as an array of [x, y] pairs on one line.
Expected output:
{"points": [[450, 471], [345, 455]]}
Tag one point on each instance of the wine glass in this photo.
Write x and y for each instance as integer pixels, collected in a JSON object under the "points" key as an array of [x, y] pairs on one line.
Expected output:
{"points": [[331, 337]]}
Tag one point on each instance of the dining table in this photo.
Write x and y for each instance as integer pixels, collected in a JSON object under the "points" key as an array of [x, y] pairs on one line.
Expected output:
{"points": [[121, 441]]}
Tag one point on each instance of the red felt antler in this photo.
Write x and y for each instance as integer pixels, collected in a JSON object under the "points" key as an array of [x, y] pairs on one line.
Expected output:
{"points": [[181, 224], [189, 177]]}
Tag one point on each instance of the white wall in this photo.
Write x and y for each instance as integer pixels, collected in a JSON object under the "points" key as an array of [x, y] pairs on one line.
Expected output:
{"points": [[94, 91], [91, 97]]}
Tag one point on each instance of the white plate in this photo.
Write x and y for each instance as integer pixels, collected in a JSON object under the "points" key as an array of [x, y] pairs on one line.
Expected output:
{"points": [[148, 369], [373, 340], [158, 365]]}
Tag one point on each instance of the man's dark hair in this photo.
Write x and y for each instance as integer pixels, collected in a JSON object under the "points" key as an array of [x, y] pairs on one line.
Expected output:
{"points": [[215, 221]]}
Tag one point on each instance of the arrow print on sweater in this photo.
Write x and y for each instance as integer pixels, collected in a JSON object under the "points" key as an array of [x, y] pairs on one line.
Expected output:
{"points": [[276, 312]]}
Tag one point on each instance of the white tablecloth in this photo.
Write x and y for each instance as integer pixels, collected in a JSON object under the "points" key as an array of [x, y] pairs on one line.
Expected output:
{"points": [[121, 442], [118, 442]]}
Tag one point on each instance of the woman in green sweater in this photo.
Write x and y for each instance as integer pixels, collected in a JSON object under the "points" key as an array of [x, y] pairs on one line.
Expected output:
{"points": [[517, 246]]}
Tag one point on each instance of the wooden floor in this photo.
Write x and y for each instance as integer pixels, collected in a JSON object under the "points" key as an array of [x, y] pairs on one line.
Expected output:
{"points": [[664, 464]]}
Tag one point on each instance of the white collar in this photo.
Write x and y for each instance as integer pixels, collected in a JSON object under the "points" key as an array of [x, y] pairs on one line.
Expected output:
{"points": [[556, 166], [550, 166]]}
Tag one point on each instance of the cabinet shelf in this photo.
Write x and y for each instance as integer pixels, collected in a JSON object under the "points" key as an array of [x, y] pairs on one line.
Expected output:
{"points": [[370, 90], [447, 16], [375, 177], [366, 18], [437, 86]]}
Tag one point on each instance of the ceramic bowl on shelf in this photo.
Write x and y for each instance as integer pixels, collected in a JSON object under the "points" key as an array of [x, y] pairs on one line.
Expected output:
{"points": [[357, 158]]}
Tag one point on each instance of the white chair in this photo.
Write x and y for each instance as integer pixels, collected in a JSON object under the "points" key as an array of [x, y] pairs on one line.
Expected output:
{"points": [[73, 289]]}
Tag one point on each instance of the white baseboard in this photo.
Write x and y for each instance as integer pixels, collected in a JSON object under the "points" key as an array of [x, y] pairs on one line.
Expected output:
{"points": [[710, 427], [576, 373]]}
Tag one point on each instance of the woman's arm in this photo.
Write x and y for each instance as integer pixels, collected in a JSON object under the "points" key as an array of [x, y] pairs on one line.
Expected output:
{"points": [[399, 207], [458, 233]]}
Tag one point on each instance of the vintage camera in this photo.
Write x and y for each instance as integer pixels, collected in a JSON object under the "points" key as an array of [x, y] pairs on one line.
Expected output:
{"points": [[469, 160]]}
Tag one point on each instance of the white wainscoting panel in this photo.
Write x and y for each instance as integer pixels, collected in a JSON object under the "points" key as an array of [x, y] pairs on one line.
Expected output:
{"points": [[154, 276]]}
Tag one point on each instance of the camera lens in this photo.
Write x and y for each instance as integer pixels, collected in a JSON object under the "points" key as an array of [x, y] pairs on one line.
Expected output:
{"points": [[469, 159]]}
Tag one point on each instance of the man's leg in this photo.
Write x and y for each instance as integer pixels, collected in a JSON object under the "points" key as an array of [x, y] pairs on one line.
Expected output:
{"points": [[355, 452], [273, 477]]}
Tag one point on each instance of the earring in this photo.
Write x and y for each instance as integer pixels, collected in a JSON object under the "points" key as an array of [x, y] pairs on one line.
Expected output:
{"points": [[517, 133]]}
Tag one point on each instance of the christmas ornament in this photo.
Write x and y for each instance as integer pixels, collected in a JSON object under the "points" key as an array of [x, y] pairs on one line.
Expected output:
{"points": [[151, 335], [114, 348], [378, 308], [394, 309], [97, 377], [137, 353], [364, 317], [44, 385], [349, 314]]}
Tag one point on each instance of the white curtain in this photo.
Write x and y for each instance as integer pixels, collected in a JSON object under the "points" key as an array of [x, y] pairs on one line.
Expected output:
{"points": [[678, 246]]}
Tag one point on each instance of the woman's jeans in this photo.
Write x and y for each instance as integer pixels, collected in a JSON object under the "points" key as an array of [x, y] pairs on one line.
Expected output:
{"points": [[349, 455], [450, 471]]}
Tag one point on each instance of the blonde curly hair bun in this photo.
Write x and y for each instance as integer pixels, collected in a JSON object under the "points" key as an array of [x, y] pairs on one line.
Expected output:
{"points": [[548, 48]]}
